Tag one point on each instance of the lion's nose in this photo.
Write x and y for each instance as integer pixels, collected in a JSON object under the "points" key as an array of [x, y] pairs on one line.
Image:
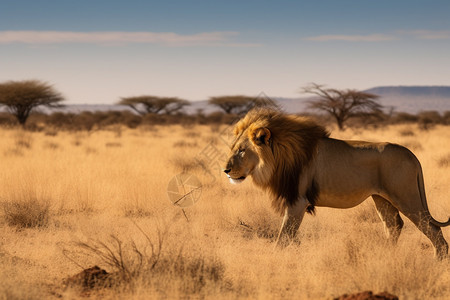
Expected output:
{"points": [[227, 170]]}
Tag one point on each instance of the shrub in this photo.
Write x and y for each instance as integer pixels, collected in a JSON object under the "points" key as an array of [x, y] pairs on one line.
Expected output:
{"points": [[27, 213], [446, 117], [428, 119], [403, 117], [407, 132], [7, 119], [184, 164], [444, 162], [151, 263], [184, 144]]}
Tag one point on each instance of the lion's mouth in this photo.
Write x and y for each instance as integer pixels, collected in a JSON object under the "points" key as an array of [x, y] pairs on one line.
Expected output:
{"points": [[236, 180]]}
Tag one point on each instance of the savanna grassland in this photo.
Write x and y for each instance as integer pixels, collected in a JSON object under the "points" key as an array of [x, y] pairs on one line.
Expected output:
{"points": [[72, 200]]}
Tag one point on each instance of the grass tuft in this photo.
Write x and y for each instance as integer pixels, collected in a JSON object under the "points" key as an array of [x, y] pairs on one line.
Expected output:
{"points": [[27, 213], [150, 264], [444, 162]]}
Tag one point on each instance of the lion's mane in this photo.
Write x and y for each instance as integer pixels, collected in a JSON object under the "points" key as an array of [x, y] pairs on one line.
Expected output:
{"points": [[293, 142]]}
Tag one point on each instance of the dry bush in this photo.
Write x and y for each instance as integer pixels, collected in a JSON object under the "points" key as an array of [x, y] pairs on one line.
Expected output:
{"points": [[444, 162], [216, 117], [370, 121], [118, 130], [150, 265], [184, 144], [51, 146], [215, 128], [195, 273], [91, 150], [59, 119], [135, 208], [186, 121], [446, 117], [23, 140], [13, 152], [137, 212], [51, 132], [126, 260], [89, 120], [113, 144], [184, 164], [427, 119], [77, 141], [406, 132], [260, 224], [402, 117], [20, 143], [192, 134], [7, 119], [27, 213]]}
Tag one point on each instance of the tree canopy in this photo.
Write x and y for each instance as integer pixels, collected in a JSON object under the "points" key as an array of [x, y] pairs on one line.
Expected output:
{"points": [[343, 104], [154, 105], [22, 97], [240, 104]]}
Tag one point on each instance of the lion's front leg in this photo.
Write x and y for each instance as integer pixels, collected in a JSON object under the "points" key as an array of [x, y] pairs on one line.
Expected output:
{"points": [[293, 217]]}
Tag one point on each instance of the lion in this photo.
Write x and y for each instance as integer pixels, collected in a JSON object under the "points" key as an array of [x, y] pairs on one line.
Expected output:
{"points": [[302, 167]]}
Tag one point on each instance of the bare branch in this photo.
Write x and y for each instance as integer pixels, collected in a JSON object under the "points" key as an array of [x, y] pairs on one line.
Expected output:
{"points": [[342, 104]]}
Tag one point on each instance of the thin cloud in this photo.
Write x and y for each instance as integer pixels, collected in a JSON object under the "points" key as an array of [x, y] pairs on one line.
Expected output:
{"points": [[219, 38], [397, 35], [428, 34], [353, 38]]}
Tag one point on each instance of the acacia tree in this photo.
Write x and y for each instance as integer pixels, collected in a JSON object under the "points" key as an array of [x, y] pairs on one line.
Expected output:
{"points": [[240, 104], [153, 104], [22, 97], [343, 104]]}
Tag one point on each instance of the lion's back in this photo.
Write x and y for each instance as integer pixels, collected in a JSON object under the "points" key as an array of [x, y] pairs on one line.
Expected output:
{"points": [[362, 168]]}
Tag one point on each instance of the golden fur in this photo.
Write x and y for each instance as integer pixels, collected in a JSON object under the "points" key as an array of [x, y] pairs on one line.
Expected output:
{"points": [[301, 166]]}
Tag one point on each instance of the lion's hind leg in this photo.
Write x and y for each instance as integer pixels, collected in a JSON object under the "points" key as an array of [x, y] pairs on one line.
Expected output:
{"points": [[422, 218], [390, 217], [432, 231]]}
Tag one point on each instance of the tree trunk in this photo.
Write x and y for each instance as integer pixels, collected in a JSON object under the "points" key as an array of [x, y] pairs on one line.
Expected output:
{"points": [[22, 118], [340, 123]]}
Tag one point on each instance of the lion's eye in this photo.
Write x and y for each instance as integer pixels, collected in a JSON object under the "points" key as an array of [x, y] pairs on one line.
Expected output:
{"points": [[241, 151]]}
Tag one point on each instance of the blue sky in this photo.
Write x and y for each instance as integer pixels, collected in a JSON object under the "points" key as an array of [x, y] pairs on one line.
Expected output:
{"points": [[99, 51]]}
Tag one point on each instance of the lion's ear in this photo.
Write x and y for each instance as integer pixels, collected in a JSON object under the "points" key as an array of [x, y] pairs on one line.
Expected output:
{"points": [[261, 136]]}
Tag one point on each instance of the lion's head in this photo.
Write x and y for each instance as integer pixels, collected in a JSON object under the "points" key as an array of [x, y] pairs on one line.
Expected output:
{"points": [[273, 148]]}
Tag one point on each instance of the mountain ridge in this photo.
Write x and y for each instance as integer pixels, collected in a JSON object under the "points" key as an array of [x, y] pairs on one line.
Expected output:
{"points": [[416, 91]]}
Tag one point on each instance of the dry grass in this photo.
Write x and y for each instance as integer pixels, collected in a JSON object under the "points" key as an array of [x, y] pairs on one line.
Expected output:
{"points": [[103, 198], [26, 213]]}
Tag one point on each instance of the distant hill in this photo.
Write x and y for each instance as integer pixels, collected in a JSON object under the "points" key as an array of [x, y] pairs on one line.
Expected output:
{"points": [[415, 91], [413, 99]]}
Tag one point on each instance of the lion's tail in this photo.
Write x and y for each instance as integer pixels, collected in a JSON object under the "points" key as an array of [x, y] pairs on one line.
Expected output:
{"points": [[424, 200]]}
